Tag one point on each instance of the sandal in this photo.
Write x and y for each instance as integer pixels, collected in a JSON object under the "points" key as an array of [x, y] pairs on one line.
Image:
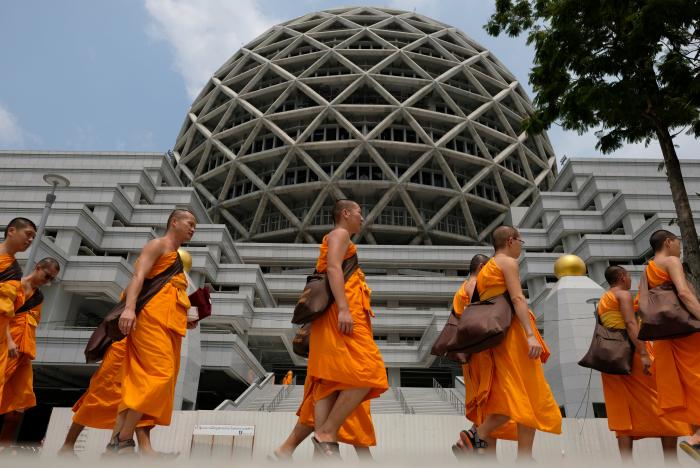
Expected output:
{"points": [[691, 449], [328, 450], [471, 441], [120, 447]]}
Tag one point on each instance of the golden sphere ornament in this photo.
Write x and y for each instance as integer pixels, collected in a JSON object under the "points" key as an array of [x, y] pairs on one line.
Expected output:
{"points": [[186, 259], [569, 265]]}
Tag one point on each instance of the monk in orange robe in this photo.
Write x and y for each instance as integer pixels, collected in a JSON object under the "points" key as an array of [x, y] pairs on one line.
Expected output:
{"points": [[460, 301], [345, 365], [509, 397], [19, 234], [357, 430], [18, 392], [287, 380], [153, 339], [678, 359], [631, 401], [97, 407]]}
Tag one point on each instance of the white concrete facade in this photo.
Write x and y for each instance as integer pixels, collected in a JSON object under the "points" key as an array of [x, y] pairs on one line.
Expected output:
{"points": [[602, 210]]}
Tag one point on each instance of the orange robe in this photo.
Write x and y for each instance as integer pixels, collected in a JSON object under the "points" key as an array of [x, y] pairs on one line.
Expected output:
{"points": [[358, 428], [287, 380], [504, 380], [338, 361], [631, 400], [98, 406], [11, 299], [18, 392], [678, 367], [152, 359]]}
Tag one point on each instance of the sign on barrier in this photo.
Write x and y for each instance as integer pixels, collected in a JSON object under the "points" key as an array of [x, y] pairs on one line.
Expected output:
{"points": [[222, 441]]}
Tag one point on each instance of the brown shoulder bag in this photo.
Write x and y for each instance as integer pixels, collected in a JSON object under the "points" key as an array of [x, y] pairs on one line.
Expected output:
{"points": [[611, 350], [317, 296], [448, 333], [300, 343], [483, 324], [663, 314]]}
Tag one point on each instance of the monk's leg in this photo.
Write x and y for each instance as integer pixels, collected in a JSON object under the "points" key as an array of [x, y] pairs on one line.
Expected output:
{"points": [[363, 454], [73, 433], [131, 419], [143, 436], [10, 427], [625, 446], [526, 439], [490, 424], [345, 403], [297, 436], [669, 445]]}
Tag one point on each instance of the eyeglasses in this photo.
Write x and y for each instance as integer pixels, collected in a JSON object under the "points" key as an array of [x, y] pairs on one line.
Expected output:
{"points": [[522, 242]]}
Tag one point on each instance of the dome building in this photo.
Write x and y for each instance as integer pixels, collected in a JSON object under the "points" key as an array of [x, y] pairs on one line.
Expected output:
{"points": [[406, 115]]}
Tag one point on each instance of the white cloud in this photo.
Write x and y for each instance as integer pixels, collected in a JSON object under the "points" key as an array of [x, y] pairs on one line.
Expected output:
{"points": [[11, 133], [205, 33]]}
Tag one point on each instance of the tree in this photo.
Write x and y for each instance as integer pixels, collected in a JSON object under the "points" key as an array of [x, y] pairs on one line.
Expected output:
{"points": [[629, 67]]}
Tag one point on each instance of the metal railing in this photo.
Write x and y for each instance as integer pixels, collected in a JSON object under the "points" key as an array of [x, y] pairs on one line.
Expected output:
{"points": [[405, 407], [281, 395], [449, 397]]}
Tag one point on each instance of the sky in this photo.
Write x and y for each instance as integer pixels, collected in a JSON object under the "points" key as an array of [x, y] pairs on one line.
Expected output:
{"points": [[98, 75]]}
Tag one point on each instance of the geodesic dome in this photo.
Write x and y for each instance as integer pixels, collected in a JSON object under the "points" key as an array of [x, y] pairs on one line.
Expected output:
{"points": [[406, 115]]}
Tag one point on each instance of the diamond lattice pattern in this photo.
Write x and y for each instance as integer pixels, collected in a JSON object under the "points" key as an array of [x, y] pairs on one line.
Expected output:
{"points": [[402, 113]]}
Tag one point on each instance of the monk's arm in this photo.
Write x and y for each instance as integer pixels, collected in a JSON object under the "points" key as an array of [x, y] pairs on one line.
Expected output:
{"points": [[144, 263], [338, 241], [511, 274], [685, 293], [627, 310]]}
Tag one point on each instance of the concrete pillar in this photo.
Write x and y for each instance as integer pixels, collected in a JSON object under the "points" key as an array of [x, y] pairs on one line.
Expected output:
{"points": [[56, 306], [191, 357], [69, 241], [570, 242], [568, 331], [596, 271], [632, 222], [602, 199], [133, 193], [394, 376], [105, 214]]}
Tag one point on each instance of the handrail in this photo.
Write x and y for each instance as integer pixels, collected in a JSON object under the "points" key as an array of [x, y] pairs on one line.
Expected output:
{"points": [[281, 395], [270, 376], [449, 397], [407, 409]]}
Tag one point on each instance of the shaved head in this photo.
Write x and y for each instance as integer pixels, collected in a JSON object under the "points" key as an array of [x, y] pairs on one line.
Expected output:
{"points": [[658, 238], [613, 274], [340, 205], [49, 262], [501, 235], [19, 224], [478, 260], [178, 214]]}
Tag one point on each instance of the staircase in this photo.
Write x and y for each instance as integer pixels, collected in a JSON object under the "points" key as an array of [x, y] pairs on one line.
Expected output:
{"points": [[407, 400]]}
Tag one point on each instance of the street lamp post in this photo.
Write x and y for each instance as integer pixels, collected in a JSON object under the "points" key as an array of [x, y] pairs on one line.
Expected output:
{"points": [[55, 181]]}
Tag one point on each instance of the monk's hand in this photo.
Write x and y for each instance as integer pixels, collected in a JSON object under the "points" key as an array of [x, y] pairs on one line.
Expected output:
{"points": [[12, 350], [191, 325], [127, 321], [646, 363], [344, 320], [534, 348]]}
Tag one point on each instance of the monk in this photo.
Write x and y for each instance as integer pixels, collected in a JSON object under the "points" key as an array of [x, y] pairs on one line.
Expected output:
{"points": [[153, 340], [18, 392], [509, 397], [287, 380], [357, 430], [19, 234], [631, 400], [345, 365], [460, 301], [677, 360]]}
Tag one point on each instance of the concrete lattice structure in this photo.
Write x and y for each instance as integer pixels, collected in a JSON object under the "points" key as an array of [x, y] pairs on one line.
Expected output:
{"points": [[404, 114]]}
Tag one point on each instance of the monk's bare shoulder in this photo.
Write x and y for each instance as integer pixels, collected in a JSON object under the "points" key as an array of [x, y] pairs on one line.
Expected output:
{"points": [[339, 235], [622, 295], [156, 246], [506, 263]]}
